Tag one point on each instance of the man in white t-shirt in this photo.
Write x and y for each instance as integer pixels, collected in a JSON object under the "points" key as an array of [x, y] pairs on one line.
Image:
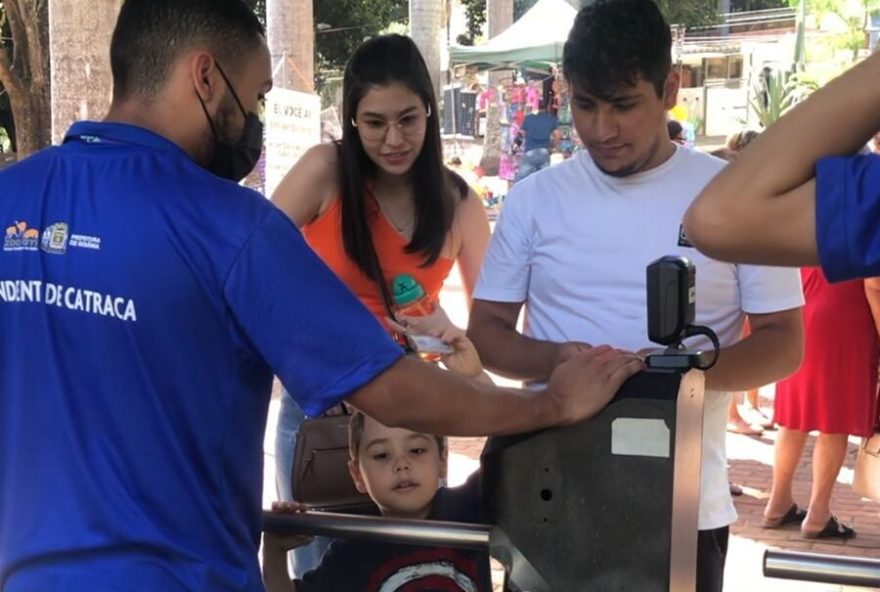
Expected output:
{"points": [[573, 242]]}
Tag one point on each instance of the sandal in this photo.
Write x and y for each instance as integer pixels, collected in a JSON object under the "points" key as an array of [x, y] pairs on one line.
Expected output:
{"points": [[834, 529], [756, 417], [794, 515], [743, 427]]}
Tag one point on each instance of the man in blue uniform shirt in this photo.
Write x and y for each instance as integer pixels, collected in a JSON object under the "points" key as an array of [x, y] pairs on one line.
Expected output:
{"points": [[146, 301], [799, 194]]}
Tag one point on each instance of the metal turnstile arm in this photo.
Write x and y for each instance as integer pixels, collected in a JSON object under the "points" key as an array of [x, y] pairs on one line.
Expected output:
{"points": [[829, 569], [414, 532]]}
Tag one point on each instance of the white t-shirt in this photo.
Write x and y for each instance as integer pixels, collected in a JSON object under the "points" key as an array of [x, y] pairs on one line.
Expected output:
{"points": [[573, 243]]}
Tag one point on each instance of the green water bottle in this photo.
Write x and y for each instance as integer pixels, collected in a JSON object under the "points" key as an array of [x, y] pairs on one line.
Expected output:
{"points": [[409, 297]]}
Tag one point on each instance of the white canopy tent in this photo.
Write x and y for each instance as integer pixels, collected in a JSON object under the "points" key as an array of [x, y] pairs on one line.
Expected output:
{"points": [[536, 39]]}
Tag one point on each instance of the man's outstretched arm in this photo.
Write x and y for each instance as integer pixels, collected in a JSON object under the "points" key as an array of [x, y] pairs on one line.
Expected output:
{"points": [[422, 397], [762, 208]]}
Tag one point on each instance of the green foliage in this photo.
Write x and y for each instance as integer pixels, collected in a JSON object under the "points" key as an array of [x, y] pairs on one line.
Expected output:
{"points": [[855, 15], [475, 10], [776, 94], [690, 13], [476, 18], [260, 9], [350, 22], [5, 141], [749, 5]]}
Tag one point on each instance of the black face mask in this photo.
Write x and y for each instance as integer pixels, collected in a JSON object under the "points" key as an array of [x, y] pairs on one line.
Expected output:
{"points": [[236, 161]]}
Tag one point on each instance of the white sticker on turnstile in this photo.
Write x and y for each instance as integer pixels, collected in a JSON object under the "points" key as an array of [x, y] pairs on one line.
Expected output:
{"points": [[639, 437]]}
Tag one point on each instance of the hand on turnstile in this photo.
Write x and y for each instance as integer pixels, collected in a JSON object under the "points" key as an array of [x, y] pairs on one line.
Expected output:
{"points": [[567, 350], [586, 383], [287, 542]]}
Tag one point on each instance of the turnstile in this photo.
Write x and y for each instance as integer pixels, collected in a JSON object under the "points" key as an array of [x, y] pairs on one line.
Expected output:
{"points": [[607, 505], [827, 569]]}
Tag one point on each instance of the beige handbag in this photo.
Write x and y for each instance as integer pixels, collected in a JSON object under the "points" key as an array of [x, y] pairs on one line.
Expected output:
{"points": [[320, 475], [867, 474]]}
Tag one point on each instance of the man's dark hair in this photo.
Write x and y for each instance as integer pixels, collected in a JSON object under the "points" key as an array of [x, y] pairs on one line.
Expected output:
{"points": [[151, 35], [613, 43]]}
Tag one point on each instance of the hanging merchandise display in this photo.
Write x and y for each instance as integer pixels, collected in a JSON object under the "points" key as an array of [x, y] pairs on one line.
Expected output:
{"points": [[519, 99]]}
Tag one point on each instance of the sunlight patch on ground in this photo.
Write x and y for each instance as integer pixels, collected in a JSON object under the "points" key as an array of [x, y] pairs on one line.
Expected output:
{"points": [[460, 468]]}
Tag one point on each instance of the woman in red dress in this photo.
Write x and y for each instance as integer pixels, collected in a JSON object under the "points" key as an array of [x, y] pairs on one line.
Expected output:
{"points": [[834, 392]]}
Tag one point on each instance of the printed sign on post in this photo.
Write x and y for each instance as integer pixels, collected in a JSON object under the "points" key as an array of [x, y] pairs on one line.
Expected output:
{"points": [[293, 125]]}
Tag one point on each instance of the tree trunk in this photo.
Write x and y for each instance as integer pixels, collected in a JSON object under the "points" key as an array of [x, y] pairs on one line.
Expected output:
{"points": [[24, 73], [31, 111], [291, 37], [427, 22], [82, 84], [499, 16]]}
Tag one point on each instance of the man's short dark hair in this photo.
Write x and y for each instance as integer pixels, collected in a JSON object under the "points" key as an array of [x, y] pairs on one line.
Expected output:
{"points": [[151, 35], [615, 42]]}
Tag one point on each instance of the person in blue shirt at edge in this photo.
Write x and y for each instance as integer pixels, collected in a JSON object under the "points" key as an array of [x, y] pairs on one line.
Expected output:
{"points": [[146, 300], [539, 130], [800, 195]]}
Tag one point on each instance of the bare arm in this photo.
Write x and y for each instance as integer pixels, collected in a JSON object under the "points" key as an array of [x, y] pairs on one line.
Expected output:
{"points": [[761, 208], [506, 351], [310, 185], [773, 350], [872, 295], [425, 398], [275, 574]]}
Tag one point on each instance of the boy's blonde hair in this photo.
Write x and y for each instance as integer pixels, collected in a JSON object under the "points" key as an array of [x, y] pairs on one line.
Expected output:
{"points": [[356, 435]]}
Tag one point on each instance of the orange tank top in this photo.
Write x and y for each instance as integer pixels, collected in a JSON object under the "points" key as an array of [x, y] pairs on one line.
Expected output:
{"points": [[324, 235]]}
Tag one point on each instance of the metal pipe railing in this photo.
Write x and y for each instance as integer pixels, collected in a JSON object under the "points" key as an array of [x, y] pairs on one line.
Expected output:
{"points": [[430, 533], [828, 569]]}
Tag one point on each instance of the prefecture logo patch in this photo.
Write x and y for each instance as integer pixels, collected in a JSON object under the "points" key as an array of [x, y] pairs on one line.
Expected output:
{"points": [[55, 238]]}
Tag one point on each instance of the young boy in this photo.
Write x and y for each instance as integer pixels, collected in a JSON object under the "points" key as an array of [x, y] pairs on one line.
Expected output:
{"points": [[401, 471]]}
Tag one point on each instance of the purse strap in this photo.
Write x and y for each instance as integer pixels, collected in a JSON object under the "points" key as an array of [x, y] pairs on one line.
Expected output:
{"points": [[376, 270], [379, 278]]}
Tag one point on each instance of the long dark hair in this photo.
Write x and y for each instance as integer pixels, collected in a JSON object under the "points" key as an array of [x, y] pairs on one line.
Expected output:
{"points": [[379, 61]]}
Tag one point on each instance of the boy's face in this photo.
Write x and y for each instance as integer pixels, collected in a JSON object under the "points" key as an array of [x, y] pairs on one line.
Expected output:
{"points": [[399, 469], [625, 133]]}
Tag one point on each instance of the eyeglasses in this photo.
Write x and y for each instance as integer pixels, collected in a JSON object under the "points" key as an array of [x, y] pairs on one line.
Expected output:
{"points": [[372, 129]]}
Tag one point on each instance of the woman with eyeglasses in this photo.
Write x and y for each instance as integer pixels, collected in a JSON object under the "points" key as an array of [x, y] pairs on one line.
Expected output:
{"points": [[380, 203]]}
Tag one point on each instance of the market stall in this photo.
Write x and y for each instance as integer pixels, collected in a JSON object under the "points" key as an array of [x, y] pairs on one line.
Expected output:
{"points": [[531, 50]]}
